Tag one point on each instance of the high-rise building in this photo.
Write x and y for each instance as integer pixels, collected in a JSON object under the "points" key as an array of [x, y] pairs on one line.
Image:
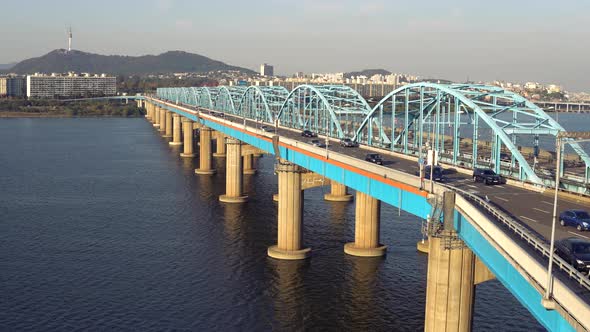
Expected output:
{"points": [[266, 70], [12, 86], [70, 86]]}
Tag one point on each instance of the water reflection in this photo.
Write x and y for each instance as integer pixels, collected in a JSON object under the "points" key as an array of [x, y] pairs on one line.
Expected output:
{"points": [[362, 285], [288, 293]]}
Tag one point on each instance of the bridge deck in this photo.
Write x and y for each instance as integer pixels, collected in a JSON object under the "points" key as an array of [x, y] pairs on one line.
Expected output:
{"points": [[531, 208]]}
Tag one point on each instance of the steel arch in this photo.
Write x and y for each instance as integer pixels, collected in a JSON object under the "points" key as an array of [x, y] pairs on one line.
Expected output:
{"points": [[483, 102], [310, 106], [262, 103]]}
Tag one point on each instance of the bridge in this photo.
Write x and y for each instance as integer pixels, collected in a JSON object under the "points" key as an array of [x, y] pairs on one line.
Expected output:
{"points": [[475, 232], [564, 106]]}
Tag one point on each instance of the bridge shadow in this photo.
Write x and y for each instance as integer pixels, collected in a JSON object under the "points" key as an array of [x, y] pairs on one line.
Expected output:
{"points": [[286, 289], [362, 287]]}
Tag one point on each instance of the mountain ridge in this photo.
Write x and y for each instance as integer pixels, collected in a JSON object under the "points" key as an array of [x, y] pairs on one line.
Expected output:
{"points": [[61, 61]]}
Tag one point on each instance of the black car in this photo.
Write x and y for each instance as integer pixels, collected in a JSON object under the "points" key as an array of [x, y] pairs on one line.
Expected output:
{"points": [[438, 173], [486, 176], [308, 133], [574, 251], [348, 143], [266, 128], [318, 143], [375, 158]]}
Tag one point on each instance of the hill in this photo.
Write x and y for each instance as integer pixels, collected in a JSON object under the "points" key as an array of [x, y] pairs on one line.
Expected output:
{"points": [[60, 61], [367, 72], [7, 65]]}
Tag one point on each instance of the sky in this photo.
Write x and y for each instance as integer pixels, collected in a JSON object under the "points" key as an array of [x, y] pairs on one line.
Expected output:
{"points": [[517, 40]]}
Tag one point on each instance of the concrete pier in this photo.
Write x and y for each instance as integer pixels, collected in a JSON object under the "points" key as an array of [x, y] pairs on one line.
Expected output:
{"points": [[176, 130], [148, 110], [290, 214], [205, 165], [156, 118], [168, 125], [162, 122], [234, 177], [449, 287], [187, 131], [338, 193], [249, 164], [220, 151], [366, 228]]}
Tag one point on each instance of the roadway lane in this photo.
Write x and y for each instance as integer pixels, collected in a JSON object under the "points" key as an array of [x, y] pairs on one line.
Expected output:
{"points": [[532, 209]]}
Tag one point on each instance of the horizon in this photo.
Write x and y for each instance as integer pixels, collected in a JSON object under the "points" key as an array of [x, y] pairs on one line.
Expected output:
{"points": [[456, 41]]}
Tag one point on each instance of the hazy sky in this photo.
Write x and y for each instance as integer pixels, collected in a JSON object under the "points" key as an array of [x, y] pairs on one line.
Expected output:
{"points": [[517, 40]]}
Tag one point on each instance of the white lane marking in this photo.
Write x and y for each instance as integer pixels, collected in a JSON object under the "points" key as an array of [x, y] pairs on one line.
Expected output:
{"points": [[541, 210], [548, 203], [471, 186], [576, 234], [527, 218], [499, 186], [502, 199]]}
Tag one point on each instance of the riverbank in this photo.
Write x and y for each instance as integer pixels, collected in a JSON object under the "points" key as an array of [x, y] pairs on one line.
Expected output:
{"points": [[8, 115], [22, 108]]}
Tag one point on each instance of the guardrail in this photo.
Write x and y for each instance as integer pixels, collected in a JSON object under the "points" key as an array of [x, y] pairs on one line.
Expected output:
{"points": [[537, 243]]}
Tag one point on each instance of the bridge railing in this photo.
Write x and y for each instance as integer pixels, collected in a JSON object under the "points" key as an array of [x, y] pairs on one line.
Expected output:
{"points": [[532, 239]]}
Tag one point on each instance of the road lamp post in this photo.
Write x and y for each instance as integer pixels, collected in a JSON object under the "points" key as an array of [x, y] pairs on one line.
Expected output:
{"points": [[578, 137]]}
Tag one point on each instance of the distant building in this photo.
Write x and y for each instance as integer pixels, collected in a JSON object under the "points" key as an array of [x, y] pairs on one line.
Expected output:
{"points": [[70, 86], [553, 88], [12, 86], [266, 70]]}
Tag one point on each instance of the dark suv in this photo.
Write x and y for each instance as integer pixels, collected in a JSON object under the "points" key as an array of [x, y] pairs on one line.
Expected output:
{"points": [[486, 176], [375, 158], [574, 251], [348, 143], [308, 133], [438, 173]]}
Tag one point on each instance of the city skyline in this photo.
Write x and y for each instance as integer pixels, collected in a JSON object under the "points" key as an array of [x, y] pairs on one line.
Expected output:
{"points": [[456, 41]]}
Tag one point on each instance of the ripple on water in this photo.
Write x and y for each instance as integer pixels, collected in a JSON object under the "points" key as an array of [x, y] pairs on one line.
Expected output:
{"points": [[104, 227]]}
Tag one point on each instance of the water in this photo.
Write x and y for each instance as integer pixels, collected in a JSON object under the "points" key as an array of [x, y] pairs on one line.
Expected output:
{"points": [[569, 121], [103, 226]]}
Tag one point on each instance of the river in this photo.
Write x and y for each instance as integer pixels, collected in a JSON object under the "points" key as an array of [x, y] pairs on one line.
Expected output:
{"points": [[104, 227]]}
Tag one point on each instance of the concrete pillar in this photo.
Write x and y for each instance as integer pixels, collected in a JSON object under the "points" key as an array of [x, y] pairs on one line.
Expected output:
{"points": [[176, 132], [249, 164], [220, 147], [290, 214], [366, 228], [233, 171], [162, 116], [205, 167], [156, 118], [148, 110], [422, 246], [187, 130], [338, 193], [449, 286], [168, 124]]}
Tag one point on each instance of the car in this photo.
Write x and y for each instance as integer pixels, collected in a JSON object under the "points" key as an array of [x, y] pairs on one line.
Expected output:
{"points": [[575, 251], [318, 143], [438, 173], [486, 176], [577, 218], [266, 128], [348, 143], [308, 133], [375, 158]]}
